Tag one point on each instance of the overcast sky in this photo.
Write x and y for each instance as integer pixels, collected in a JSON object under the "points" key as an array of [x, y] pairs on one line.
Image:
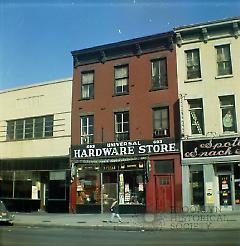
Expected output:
{"points": [[37, 36]]}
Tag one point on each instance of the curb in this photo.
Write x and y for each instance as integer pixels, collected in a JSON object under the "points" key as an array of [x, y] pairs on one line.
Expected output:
{"points": [[122, 227]]}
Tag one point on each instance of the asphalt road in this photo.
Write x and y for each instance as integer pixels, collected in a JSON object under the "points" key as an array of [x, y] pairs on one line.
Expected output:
{"points": [[42, 236]]}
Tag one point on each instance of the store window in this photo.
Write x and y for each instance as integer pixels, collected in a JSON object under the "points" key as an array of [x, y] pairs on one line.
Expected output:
{"points": [[121, 74], [159, 74], [6, 184], [87, 129], [193, 64], [227, 106], [121, 126], [224, 64], [88, 187], [196, 116], [237, 183], [196, 185], [87, 85], [20, 184], [131, 188]]}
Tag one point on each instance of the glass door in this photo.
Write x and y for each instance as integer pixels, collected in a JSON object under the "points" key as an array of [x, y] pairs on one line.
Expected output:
{"points": [[109, 190]]}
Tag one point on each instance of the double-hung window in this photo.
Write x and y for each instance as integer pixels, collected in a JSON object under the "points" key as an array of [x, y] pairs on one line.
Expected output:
{"points": [[121, 126], [87, 129], [121, 75], [227, 106], [160, 122], [196, 116], [159, 74], [87, 85], [193, 64], [224, 64]]}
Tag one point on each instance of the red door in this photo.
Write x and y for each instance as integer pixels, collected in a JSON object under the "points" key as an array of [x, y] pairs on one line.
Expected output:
{"points": [[164, 193]]}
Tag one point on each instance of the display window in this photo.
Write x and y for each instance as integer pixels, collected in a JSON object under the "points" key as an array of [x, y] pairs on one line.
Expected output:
{"points": [[101, 185], [237, 183], [88, 188]]}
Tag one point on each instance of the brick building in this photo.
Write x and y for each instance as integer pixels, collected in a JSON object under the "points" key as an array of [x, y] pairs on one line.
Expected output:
{"points": [[125, 127]]}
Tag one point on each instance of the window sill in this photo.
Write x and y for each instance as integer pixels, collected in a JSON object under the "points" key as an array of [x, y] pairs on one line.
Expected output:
{"points": [[158, 89], [120, 94], [224, 76], [85, 99], [192, 80]]}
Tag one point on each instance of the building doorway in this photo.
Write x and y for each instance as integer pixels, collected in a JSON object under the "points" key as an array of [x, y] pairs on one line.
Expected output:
{"points": [[164, 193]]}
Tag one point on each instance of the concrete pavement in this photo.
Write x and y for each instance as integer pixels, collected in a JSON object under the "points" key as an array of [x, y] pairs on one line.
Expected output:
{"points": [[134, 222]]}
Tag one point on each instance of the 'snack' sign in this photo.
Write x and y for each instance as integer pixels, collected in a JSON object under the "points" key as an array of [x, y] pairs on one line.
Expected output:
{"points": [[211, 148]]}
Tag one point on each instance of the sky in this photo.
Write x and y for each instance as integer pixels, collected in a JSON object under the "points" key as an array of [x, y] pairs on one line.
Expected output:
{"points": [[37, 36]]}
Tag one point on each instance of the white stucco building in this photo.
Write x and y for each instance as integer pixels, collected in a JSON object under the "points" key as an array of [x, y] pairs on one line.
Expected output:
{"points": [[35, 123], [208, 66]]}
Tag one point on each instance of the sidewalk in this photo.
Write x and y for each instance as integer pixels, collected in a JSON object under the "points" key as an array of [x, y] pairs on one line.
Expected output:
{"points": [[134, 222]]}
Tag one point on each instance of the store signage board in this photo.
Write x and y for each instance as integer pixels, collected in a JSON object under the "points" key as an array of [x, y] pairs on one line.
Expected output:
{"points": [[125, 148], [216, 147]]}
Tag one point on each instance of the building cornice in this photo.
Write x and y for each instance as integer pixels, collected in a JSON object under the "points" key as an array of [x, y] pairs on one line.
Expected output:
{"points": [[205, 32], [128, 48]]}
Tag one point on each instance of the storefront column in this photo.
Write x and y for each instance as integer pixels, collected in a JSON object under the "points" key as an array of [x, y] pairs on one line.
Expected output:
{"points": [[186, 187], [209, 191]]}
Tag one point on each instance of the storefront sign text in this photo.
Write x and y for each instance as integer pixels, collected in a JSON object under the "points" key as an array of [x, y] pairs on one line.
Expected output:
{"points": [[211, 148], [126, 148]]}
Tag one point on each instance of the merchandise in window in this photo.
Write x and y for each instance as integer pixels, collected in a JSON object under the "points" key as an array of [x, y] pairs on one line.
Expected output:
{"points": [[196, 116], [224, 64], [159, 74], [131, 188], [228, 113], [88, 188], [193, 64], [237, 183]]}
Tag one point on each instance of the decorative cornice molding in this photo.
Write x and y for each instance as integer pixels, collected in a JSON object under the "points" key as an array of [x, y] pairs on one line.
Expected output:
{"points": [[205, 34], [235, 30]]}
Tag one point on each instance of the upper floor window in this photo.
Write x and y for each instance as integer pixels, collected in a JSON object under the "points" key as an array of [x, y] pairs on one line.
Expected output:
{"points": [[87, 129], [121, 74], [224, 64], [193, 64], [228, 113], [87, 85], [121, 126], [159, 74], [29, 128], [161, 122], [196, 115]]}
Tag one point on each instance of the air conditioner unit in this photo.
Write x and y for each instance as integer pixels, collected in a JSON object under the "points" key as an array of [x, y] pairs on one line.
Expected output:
{"points": [[84, 140], [160, 133]]}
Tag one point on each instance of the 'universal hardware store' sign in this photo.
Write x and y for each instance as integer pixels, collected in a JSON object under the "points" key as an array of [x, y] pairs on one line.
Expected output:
{"points": [[125, 148]]}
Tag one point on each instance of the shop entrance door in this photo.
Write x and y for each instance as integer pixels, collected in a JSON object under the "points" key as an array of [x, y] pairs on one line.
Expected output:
{"points": [[164, 193], [109, 193], [225, 193]]}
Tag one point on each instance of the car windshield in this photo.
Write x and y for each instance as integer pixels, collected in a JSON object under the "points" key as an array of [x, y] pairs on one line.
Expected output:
{"points": [[2, 207]]}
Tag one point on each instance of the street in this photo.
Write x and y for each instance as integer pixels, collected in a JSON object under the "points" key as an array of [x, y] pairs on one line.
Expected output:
{"points": [[47, 236]]}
